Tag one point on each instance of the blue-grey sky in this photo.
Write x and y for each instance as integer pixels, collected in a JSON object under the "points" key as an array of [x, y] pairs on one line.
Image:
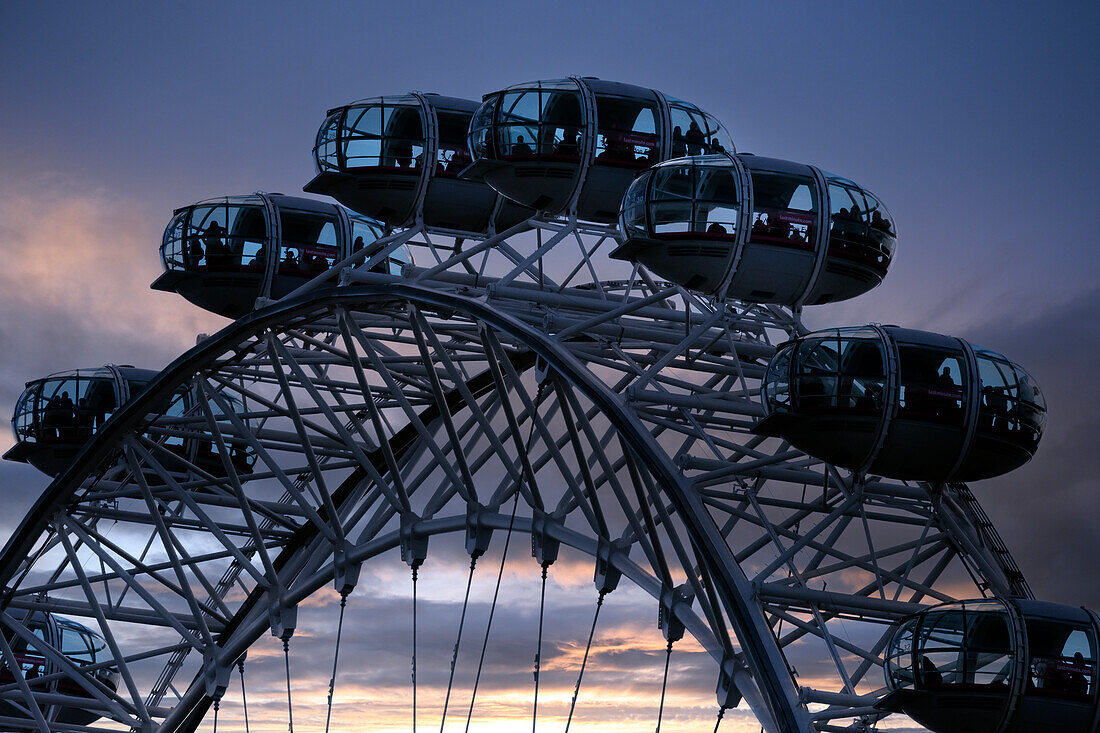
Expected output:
{"points": [[974, 122]]}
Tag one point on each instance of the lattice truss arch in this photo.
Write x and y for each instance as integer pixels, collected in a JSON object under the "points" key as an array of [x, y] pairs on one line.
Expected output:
{"points": [[355, 442]]}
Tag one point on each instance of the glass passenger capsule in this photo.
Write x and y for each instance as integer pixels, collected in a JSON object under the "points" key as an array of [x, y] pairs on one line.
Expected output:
{"points": [[545, 144], [901, 403], [397, 159], [224, 253], [996, 666], [76, 642], [56, 416], [758, 228]]}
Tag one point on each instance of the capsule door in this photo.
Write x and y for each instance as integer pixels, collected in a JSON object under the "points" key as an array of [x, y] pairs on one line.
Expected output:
{"points": [[928, 431], [451, 202], [628, 140], [530, 143], [779, 254], [1061, 687], [309, 244]]}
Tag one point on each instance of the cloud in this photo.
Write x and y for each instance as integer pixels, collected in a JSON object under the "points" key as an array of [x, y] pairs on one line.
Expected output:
{"points": [[1046, 511], [74, 287]]}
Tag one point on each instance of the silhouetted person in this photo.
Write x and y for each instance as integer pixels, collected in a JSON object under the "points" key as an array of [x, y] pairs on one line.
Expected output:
{"points": [[261, 256], [679, 147], [997, 404], [760, 226], [929, 674], [1078, 682], [716, 228], [878, 221], [568, 146], [84, 420], [51, 417], [694, 138], [290, 260], [943, 379], [521, 148], [65, 415], [193, 252], [216, 250], [357, 244], [402, 151]]}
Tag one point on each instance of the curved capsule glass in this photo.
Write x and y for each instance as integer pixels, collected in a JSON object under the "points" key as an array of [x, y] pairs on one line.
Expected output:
{"points": [[398, 159], [548, 144], [992, 665], [76, 642], [57, 415], [754, 229], [387, 132], [939, 415], [222, 254]]}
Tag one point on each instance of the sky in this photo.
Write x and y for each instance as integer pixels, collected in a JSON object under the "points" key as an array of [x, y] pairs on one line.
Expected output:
{"points": [[973, 122]]}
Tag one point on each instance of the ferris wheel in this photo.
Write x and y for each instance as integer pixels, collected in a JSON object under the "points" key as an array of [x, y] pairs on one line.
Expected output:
{"points": [[558, 334]]}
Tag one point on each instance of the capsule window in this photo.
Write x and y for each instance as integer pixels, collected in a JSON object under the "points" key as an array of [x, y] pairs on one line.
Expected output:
{"points": [[308, 243], [626, 132], [720, 140], [172, 247], [540, 122], [225, 237], [700, 200], [843, 370], [1062, 660], [383, 135], [21, 648], [76, 644], [933, 387], [694, 132], [964, 647], [452, 155], [716, 201], [70, 408], [941, 649], [816, 372], [899, 656], [363, 233], [784, 210], [879, 218]]}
